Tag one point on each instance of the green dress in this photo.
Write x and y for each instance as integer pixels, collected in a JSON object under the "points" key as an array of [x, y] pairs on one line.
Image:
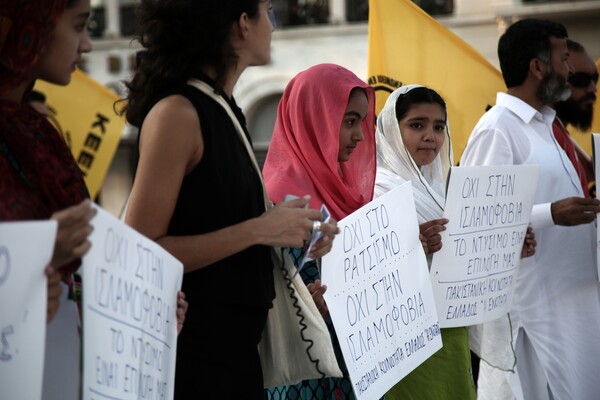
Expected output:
{"points": [[446, 375]]}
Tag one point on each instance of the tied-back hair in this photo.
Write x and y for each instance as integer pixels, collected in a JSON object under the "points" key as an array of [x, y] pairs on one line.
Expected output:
{"points": [[522, 42], [179, 38]]}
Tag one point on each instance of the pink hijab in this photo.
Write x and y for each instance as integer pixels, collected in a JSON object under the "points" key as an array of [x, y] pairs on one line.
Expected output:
{"points": [[303, 153]]}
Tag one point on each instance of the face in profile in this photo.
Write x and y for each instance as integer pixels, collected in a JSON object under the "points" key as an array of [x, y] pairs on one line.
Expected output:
{"points": [[66, 44], [351, 131], [554, 86], [262, 32], [423, 131], [583, 80], [578, 110]]}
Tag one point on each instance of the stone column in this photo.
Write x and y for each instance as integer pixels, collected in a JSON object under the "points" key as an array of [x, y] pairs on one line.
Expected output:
{"points": [[113, 19], [337, 11]]}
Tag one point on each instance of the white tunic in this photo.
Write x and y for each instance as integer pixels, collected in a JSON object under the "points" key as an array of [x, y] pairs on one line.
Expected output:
{"points": [[557, 297]]}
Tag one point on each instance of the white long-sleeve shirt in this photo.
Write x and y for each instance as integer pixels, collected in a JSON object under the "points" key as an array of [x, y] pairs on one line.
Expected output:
{"points": [[557, 297]]}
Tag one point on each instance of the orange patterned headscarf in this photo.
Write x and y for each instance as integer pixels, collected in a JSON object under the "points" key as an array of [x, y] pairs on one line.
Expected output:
{"points": [[24, 29], [303, 154]]}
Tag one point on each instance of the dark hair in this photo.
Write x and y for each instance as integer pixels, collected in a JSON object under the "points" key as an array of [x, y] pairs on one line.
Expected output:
{"points": [[416, 96], [179, 38], [358, 90], [523, 41], [574, 46], [34, 95]]}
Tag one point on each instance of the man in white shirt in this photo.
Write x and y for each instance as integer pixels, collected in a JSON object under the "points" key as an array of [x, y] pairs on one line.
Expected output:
{"points": [[555, 316], [578, 111]]}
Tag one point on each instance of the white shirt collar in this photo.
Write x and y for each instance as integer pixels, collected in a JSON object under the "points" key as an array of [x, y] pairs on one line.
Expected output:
{"points": [[523, 110]]}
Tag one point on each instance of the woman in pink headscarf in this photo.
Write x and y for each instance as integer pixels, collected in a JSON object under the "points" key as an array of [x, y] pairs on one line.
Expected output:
{"points": [[323, 145]]}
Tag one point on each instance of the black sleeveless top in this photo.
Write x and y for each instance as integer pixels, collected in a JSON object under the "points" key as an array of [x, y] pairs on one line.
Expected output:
{"points": [[222, 190]]}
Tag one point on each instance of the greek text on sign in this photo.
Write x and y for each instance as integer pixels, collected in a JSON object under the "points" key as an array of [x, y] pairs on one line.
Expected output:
{"points": [[25, 251], [489, 209], [379, 293], [129, 308]]}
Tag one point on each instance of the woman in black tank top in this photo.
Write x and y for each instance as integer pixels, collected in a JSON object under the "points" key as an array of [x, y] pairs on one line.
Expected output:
{"points": [[198, 191]]}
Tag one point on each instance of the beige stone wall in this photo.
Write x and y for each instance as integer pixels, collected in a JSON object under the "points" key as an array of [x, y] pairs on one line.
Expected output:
{"points": [[478, 22]]}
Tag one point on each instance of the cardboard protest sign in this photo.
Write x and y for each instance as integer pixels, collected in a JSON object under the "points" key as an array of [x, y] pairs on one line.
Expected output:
{"points": [[596, 154], [379, 293], [25, 251], [129, 314], [489, 209]]}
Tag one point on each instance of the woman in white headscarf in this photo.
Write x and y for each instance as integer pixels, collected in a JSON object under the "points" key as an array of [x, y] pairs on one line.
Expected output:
{"points": [[413, 144]]}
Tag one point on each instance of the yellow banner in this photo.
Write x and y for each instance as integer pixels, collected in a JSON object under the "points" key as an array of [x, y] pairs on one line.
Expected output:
{"points": [[584, 139], [83, 113], [407, 46]]}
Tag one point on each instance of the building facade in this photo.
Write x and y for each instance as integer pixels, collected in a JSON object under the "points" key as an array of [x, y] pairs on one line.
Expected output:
{"points": [[310, 32]]}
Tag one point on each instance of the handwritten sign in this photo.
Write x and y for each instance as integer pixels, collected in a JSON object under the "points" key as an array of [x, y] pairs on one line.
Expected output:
{"points": [[379, 294], [129, 314], [25, 251], [596, 153], [489, 209]]}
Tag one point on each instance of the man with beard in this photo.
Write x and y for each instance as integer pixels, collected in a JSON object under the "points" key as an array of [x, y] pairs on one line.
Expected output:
{"points": [[553, 328], [578, 111]]}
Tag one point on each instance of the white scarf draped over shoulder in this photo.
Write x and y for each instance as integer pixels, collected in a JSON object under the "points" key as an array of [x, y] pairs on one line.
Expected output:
{"points": [[492, 341], [396, 166]]}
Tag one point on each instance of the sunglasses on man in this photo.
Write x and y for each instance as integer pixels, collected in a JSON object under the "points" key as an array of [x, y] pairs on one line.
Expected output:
{"points": [[582, 79]]}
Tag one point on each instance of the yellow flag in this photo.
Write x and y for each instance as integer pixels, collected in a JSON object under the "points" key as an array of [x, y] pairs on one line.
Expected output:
{"points": [[584, 139], [407, 46], [83, 113]]}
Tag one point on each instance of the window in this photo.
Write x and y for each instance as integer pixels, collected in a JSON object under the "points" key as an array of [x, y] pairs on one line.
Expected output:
{"points": [[357, 10], [301, 12], [97, 23], [128, 19], [99, 19], [436, 7]]}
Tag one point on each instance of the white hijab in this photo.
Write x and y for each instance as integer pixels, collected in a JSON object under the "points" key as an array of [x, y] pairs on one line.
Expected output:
{"points": [[395, 165]]}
